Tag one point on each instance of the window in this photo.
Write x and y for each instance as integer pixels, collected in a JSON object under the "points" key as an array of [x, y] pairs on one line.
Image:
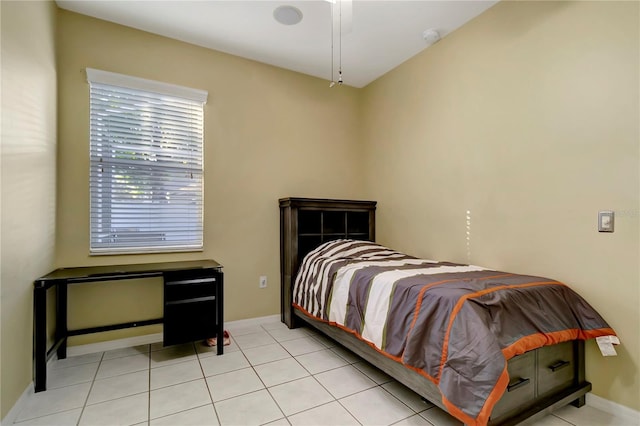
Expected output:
{"points": [[146, 176]]}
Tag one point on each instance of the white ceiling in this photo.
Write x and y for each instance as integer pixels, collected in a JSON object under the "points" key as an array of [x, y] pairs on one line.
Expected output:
{"points": [[382, 34]]}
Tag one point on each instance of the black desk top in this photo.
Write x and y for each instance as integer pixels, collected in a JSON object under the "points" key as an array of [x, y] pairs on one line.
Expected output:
{"points": [[114, 272]]}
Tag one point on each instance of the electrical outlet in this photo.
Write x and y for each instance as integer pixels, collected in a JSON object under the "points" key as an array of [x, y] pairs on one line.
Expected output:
{"points": [[263, 281]]}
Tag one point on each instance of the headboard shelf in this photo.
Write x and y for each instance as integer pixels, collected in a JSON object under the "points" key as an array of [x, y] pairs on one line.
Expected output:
{"points": [[305, 223]]}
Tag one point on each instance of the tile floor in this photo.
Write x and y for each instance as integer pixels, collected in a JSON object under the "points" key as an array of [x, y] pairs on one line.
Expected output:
{"points": [[268, 375]]}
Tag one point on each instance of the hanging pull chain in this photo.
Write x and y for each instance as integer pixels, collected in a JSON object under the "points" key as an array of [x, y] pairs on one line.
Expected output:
{"points": [[332, 83], [340, 41]]}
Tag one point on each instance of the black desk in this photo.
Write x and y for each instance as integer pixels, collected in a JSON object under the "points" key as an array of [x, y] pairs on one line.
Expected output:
{"points": [[193, 290]]}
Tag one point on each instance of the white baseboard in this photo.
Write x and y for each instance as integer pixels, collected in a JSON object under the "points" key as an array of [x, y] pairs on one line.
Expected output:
{"points": [[114, 344], [252, 321], [12, 415], [613, 408], [153, 338]]}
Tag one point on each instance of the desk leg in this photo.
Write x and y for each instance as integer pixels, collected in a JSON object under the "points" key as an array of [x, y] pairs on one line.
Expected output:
{"points": [[40, 336], [220, 314], [61, 319]]}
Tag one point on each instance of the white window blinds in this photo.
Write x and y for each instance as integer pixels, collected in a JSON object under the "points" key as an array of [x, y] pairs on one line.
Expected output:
{"points": [[146, 177]]}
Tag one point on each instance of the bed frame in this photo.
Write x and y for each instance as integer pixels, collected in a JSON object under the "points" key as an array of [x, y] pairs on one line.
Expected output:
{"points": [[541, 380]]}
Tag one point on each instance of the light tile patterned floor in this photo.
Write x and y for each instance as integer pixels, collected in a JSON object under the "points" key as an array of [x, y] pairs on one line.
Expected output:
{"points": [[268, 375]]}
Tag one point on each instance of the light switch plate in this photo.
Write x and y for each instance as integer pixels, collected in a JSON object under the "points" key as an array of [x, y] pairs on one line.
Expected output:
{"points": [[605, 221]]}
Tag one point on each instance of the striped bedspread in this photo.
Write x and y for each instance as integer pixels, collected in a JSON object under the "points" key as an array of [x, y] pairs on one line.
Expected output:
{"points": [[457, 325]]}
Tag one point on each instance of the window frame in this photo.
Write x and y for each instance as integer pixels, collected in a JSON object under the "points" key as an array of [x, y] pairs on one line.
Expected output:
{"points": [[135, 86]]}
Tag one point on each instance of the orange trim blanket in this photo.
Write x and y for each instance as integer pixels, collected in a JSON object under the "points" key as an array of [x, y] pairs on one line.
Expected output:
{"points": [[456, 325]]}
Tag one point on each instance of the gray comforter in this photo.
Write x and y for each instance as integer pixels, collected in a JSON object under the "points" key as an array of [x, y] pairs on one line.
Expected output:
{"points": [[455, 324]]}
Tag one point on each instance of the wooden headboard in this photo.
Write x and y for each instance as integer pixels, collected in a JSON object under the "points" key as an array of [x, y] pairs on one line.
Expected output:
{"points": [[305, 223]]}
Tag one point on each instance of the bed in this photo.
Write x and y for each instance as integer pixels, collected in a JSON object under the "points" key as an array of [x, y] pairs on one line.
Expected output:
{"points": [[484, 345]]}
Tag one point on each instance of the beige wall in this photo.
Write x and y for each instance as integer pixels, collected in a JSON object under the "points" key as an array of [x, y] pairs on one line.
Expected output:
{"points": [[269, 133], [28, 163], [528, 118]]}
